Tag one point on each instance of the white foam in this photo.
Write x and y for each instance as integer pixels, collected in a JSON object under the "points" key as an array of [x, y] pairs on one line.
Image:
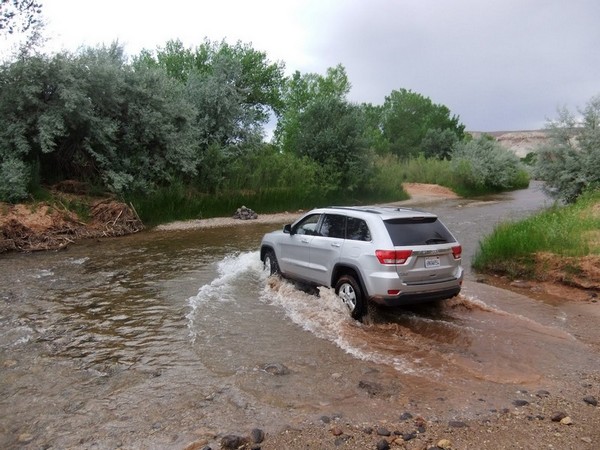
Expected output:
{"points": [[79, 261], [222, 289], [328, 318], [42, 273]]}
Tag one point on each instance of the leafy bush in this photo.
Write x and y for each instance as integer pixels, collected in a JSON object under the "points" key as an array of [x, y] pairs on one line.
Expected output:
{"points": [[90, 117], [570, 164], [483, 164], [454, 175], [14, 177]]}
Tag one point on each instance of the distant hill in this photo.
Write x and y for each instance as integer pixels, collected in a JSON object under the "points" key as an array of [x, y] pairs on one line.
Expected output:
{"points": [[520, 142]]}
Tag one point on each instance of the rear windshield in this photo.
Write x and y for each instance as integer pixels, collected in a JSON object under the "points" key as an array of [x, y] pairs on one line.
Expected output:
{"points": [[418, 231]]}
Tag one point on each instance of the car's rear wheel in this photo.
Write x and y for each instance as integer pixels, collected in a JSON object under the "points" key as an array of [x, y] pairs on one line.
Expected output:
{"points": [[270, 263], [348, 289]]}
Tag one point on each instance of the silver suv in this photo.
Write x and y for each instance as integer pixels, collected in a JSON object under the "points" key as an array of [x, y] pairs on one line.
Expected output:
{"points": [[391, 256]]}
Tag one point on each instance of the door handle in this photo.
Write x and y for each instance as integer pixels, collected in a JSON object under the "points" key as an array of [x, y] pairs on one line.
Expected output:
{"points": [[336, 245], [304, 241]]}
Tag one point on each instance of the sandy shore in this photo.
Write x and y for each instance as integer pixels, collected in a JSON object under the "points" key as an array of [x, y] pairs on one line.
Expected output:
{"points": [[227, 221]]}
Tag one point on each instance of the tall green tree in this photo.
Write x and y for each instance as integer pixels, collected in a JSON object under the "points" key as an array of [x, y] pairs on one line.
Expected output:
{"points": [[407, 117], [258, 81], [570, 163], [331, 132], [299, 92], [373, 129], [226, 128]]}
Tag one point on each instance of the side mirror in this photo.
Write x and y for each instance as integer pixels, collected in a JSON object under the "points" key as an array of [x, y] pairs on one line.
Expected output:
{"points": [[288, 229]]}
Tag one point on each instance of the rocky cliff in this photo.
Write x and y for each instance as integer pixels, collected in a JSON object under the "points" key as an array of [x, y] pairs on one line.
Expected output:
{"points": [[520, 142]]}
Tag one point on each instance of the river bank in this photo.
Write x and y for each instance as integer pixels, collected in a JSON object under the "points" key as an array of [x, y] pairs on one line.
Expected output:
{"points": [[53, 226]]}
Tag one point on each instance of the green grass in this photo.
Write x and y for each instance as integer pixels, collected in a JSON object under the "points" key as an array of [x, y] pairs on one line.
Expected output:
{"points": [[276, 183], [569, 231], [179, 203], [416, 170], [434, 171]]}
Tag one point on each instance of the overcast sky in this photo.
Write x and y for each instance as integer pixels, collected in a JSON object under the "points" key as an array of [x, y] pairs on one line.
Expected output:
{"points": [[498, 65]]}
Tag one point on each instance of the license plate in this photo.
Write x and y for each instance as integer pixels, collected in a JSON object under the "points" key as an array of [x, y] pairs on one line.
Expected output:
{"points": [[432, 261]]}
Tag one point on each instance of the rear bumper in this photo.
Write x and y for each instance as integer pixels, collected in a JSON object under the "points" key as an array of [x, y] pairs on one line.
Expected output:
{"points": [[411, 298]]}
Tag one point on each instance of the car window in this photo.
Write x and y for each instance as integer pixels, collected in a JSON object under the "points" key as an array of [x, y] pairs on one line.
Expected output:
{"points": [[333, 225], [308, 225], [357, 230], [418, 231]]}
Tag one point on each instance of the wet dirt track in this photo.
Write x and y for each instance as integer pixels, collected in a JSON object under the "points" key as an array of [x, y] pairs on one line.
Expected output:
{"points": [[160, 339]]}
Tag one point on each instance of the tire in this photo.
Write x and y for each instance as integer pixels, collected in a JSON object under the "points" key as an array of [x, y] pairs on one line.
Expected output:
{"points": [[348, 289], [270, 263]]}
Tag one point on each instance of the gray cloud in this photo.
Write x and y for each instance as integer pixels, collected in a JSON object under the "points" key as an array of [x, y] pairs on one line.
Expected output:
{"points": [[498, 65]]}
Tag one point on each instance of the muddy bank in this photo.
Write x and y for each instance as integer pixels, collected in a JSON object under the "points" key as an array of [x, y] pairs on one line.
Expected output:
{"points": [[44, 226]]}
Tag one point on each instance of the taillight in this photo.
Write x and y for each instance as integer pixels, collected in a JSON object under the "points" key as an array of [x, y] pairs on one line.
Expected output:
{"points": [[392, 256], [457, 252]]}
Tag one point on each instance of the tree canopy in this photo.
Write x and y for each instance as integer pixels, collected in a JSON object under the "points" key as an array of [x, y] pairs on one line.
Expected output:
{"points": [[21, 24], [258, 81], [299, 92], [406, 119], [330, 131], [91, 117]]}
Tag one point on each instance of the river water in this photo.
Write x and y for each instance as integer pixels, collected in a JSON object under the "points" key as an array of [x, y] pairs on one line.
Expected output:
{"points": [[160, 338]]}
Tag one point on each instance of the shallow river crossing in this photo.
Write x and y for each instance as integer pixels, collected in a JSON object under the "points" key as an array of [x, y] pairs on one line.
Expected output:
{"points": [[153, 339]]}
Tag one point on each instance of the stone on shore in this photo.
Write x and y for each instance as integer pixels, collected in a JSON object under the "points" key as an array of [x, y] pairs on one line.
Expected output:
{"points": [[245, 213]]}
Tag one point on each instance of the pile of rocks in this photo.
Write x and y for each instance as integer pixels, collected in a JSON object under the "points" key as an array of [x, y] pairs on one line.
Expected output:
{"points": [[244, 213]]}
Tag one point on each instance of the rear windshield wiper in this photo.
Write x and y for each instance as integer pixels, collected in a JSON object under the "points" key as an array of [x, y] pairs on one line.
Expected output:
{"points": [[436, 241]]}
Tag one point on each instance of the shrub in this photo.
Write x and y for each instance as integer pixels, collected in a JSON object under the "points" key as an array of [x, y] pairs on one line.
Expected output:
{"points": [[570, 163], [483, 164], [14, 178]]}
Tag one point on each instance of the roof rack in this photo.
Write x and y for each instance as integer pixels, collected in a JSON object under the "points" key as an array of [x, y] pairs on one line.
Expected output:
{"points": [[368, 209]]}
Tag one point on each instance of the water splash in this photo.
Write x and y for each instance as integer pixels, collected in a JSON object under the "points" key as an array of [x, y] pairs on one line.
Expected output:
{"points": [[326, 317], [231, 270]]}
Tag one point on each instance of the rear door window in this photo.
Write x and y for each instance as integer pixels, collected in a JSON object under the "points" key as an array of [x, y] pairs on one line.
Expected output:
{"points": [[357, 230], [333, 225], [418, 231]]}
